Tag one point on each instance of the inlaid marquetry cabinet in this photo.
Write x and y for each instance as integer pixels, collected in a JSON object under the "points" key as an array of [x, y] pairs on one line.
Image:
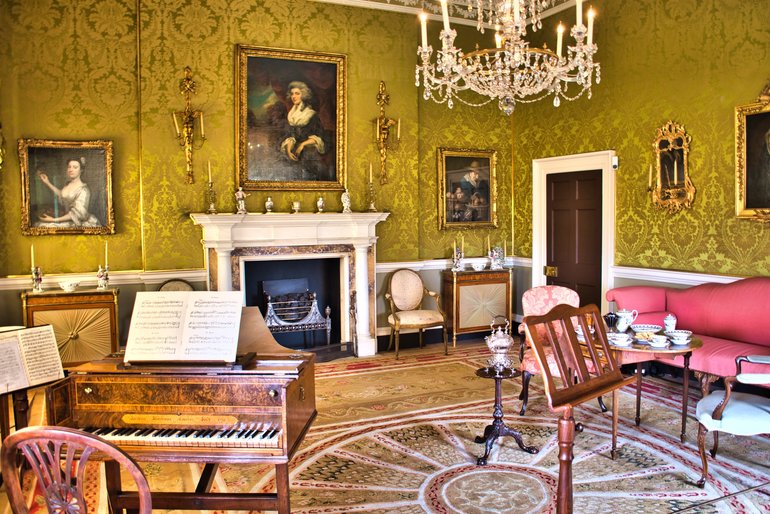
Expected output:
{"points": [[85, 322], [471, 299]]}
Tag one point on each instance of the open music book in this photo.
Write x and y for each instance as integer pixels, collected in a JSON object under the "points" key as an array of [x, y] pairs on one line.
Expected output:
{"points": [[28, 357], [189, 326]]}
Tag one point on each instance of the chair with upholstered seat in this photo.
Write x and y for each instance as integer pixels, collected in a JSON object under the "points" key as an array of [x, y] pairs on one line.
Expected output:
{"points": [[58, 457], [734, 413], [587, 369], [405, 297], [534, 302]]}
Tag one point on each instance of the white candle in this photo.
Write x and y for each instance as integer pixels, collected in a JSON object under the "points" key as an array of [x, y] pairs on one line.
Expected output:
{"points": [[505, 248], [516, 13], [498, 40], [445, 14], [559, 38], [676, 171], [454, 246], [176, 123], [209, 171], [398, 130], [106, 251], [32, 255], [591, 15], [462, 245], [649, 178], [424, 29], [579, 12], [489, 245], [370, 172], [203, 132]]}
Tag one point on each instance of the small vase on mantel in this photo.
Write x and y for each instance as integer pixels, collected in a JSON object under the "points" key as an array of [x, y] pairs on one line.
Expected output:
{"points": [[269, 205]]}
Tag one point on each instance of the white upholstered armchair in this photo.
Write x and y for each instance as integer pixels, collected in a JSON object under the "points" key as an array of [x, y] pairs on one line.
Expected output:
{"points": [[734, 412], [405, 296]]}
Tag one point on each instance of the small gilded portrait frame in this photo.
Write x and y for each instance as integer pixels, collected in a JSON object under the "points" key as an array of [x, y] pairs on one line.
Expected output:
{"points": [[66, 187], [752, 159], [467, 188]]}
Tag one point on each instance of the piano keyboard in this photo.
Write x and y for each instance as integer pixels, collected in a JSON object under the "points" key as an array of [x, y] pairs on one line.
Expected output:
{"points": [[253, 435]]}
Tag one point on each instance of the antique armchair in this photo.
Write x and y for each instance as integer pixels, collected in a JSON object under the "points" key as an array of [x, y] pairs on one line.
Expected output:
{"points": [[536, 301], [585, 371], [735, 413], [405, 296], [58, 457]]}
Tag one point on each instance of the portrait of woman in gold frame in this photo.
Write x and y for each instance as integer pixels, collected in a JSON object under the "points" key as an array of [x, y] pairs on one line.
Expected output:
{"points": [[290, 112], [752, 159], [66, 187], [467, 190]]}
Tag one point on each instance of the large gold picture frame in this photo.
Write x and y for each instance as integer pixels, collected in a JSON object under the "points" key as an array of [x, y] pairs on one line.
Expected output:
{"points": [[66, 187], [467, 188], [290, 126], [752, 159]]}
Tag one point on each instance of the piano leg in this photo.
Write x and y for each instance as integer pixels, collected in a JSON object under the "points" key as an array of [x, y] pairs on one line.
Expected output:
{"points": [[282, 488], [114, 488], [207, 478]]}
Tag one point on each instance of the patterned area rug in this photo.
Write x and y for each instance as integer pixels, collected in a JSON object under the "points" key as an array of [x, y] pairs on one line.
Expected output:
{"points": [[398, 437]]}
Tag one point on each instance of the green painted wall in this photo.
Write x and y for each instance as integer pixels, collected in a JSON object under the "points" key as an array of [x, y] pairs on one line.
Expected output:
{"points": [[87, 70], [691, 61]]}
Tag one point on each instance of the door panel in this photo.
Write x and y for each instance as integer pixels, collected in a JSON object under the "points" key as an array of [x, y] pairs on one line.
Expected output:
{"points": [[574, 223]]}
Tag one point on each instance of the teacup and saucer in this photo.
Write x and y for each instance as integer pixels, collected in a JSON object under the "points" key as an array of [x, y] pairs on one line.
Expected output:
{"points": [[658, 341], [679, 337], [619, 339]]}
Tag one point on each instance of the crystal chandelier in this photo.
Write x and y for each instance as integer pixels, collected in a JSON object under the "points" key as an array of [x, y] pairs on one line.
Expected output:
{"points": [[512, 72]]}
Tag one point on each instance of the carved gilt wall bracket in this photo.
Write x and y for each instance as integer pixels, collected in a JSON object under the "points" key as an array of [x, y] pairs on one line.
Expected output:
{"points": [[752, 158], [673, 189], [186, 120], [383, 134]]}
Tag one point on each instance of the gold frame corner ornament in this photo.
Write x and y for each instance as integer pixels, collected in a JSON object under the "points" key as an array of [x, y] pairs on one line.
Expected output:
{"points": [[673, 189], [36, 156], [288, 66], [752, 159], [462, 156]]}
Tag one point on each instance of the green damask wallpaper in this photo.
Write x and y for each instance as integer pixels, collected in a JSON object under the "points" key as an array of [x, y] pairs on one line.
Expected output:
{"points": [[692, 62], [110, 69]]}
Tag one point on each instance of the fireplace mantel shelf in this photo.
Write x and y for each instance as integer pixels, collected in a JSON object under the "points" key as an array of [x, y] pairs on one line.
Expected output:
{"points": [[225, 236], [286, 229]]}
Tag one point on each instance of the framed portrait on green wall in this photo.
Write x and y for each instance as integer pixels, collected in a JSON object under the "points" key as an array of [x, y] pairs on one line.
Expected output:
{"points": [[467, 190], [66, 187], [752, 159], [290, 107]]}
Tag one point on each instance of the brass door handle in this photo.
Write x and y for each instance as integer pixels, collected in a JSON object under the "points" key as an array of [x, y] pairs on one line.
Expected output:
{"points": [[551, 271]]}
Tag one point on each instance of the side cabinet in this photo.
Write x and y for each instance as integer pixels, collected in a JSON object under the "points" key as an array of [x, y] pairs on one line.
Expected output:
{"points": [[85, 322], [473, 298]]}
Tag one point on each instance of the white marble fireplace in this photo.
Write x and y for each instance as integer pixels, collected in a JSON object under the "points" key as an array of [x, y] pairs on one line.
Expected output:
{"points": [[231, 240]]}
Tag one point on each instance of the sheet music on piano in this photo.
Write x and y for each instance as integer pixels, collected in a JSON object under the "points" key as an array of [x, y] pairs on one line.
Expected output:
{"points": [[189, 326]]}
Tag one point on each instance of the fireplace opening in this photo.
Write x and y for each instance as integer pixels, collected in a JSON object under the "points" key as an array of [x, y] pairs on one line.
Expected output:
{"points": [[323, 278]]}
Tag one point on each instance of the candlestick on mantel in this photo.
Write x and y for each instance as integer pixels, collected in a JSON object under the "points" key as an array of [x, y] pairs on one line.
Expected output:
{"points": [[32, 255]]}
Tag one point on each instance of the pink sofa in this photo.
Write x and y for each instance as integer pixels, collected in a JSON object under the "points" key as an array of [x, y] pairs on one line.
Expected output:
{"points": [[731, 319]]}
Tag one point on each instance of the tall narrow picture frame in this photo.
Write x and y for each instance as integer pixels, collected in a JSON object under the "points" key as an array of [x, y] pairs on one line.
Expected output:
{"points": [[290, 107], [752, 159], [467, 189], [66, 187]]}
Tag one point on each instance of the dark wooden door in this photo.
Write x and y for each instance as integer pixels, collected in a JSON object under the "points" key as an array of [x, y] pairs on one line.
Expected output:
{"points": [[574, 232]]}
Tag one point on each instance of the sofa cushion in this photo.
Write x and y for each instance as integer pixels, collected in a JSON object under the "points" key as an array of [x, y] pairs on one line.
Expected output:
{"points": [[651, 318], [641, 298], [733, 311], [717, 356]]}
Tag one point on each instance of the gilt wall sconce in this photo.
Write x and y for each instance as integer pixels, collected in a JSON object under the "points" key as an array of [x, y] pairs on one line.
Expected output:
{"points": [[186, 121], [383, 134], [672, 189]]}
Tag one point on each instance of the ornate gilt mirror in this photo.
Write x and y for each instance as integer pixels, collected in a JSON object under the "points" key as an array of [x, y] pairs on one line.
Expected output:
{"points": [[673, 188]]}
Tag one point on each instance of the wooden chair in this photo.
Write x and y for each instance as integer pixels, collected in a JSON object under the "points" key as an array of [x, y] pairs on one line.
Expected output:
{"points": [[555, 331], [405, 296], [58, 457], [733, 412]]}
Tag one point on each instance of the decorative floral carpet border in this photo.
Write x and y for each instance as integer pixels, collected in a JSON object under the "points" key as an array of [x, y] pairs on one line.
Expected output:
{"points": [[398, 437]]}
